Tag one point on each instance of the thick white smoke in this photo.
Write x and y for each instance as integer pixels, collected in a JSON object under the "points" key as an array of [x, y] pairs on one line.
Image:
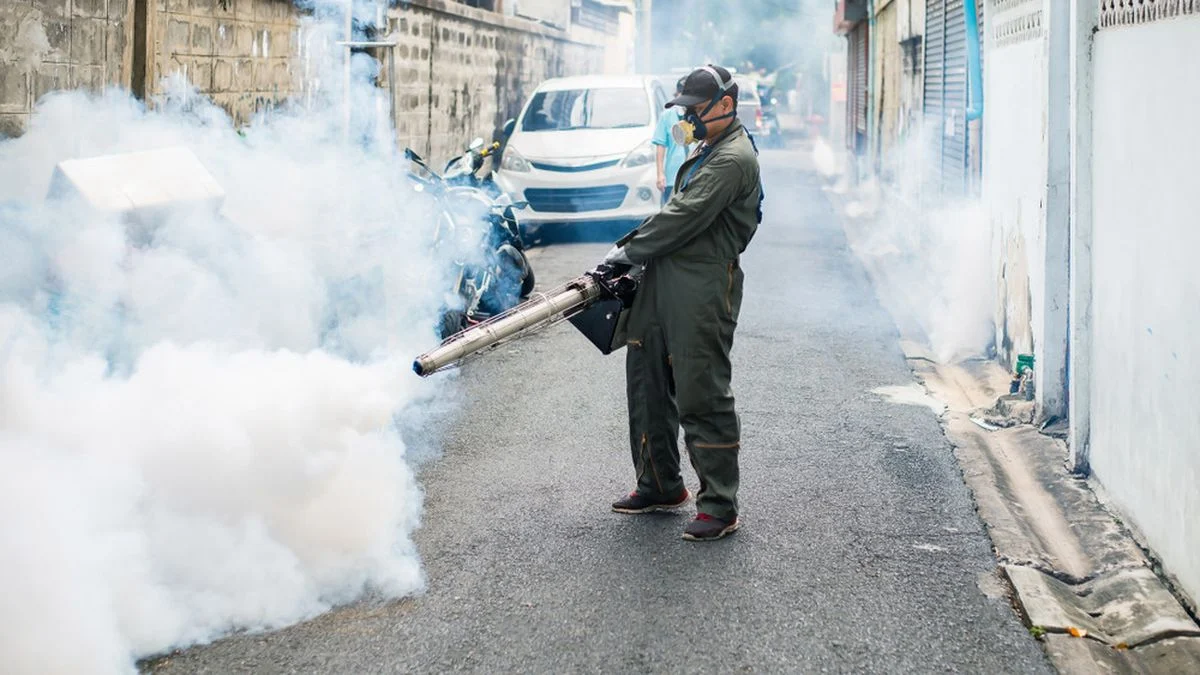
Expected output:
{"points": [[198, 432], [931, 260]]}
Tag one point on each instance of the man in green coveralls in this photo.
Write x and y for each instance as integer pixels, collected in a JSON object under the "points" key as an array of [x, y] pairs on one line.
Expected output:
{"points": [[680, 327]]}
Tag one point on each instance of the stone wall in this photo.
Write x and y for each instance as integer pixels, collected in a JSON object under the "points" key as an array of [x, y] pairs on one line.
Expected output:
{"points": [[240, 53], [59, 44], [460, 71]]}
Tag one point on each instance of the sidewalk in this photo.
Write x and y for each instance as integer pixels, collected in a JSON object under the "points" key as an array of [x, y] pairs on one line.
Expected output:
{"points": [[1076, 574]]}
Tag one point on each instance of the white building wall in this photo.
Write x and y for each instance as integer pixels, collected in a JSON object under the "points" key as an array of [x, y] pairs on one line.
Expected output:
{"points": [[1014, 170], [1145, 367]]}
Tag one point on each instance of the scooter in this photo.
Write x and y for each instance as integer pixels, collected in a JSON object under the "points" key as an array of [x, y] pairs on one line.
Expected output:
{"points": [[482, 236]]}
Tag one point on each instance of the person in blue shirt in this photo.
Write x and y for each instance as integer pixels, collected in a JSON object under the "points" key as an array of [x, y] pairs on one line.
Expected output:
{"points": [[671, 155]]}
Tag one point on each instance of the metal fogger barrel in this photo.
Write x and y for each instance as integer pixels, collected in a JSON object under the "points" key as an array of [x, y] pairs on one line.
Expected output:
{"points": [[594, 303]]}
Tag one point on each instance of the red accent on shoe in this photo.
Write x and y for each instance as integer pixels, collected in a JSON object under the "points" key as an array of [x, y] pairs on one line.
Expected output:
{"points": [[704, 517]]}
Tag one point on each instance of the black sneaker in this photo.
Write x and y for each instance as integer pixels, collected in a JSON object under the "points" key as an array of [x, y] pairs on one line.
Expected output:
{"points": [[708, 528], [636, 503]]}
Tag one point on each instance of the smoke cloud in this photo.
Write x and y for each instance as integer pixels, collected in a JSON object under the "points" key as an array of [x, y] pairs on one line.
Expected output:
{"points": [[201, 423], [930, 258]]}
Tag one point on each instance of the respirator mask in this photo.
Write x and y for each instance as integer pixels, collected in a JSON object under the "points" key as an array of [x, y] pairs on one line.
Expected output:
{"points": [[693, 127]]}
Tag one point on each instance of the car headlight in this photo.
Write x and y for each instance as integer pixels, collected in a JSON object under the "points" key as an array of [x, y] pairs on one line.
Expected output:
{"points": [[513, 161], [641, 156]]}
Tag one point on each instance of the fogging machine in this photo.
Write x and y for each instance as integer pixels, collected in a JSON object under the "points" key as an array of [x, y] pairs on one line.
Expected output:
{"points": [[596, 303]]}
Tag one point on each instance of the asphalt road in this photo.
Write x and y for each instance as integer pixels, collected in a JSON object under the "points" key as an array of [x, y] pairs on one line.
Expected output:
{"points": [[860, 549]]}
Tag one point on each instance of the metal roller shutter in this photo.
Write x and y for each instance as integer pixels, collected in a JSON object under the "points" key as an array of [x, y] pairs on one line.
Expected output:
{"points": [[856, 96], [932, 95], [945, 105], [860, 79]]}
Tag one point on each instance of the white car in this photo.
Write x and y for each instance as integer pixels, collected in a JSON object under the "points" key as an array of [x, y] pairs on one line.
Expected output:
{"points": [[580, 152]]}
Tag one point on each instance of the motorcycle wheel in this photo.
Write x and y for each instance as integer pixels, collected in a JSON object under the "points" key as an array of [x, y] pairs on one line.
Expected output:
{"points": [[529, 281], [505, 290], [452, 321]]}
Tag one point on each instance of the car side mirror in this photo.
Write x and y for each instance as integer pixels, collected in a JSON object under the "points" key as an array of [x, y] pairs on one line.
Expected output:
{"points": [[520, 206], [509, 127]]}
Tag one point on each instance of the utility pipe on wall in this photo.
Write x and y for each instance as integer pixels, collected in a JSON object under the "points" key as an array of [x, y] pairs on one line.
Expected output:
{"points": [[872, 133], [974, 63]]}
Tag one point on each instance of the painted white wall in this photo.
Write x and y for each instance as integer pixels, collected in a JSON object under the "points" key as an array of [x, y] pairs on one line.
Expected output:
{"points": [[1014, 185], [1145, 421]]}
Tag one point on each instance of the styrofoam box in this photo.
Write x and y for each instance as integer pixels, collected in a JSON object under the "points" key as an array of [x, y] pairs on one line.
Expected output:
{"points": [[135, 183]]}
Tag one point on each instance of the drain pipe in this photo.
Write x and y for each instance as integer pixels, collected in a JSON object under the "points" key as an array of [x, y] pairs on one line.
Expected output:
{"points": [[974, 63], [872, 133]]}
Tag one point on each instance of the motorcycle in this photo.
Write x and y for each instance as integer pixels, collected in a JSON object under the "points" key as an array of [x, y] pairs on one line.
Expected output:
{"points": [[464, 169], [482, 235], [770, 111]]}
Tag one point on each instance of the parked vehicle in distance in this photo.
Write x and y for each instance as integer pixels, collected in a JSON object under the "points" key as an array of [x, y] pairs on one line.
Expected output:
{"points": [[580, 152], [757, 115], [771, 131]]}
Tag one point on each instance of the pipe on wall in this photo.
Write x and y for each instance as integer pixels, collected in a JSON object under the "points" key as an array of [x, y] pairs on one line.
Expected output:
{"points": [[872, 132], [974, 63]]}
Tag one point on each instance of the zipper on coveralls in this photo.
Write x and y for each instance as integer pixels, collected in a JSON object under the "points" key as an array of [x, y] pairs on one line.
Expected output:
{"points": [[729, 292], [650, 461]]}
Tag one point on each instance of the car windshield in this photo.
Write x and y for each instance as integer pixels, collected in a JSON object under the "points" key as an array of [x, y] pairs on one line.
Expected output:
{"points": [[607, 108]]}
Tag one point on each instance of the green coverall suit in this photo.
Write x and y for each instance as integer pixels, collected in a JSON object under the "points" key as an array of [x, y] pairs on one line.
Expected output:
{"points": [[680, 327]]}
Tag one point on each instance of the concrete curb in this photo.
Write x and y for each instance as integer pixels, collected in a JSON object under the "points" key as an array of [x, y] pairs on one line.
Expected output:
{"points": [[1124, 608], [1087, 657], [1074, 569]]}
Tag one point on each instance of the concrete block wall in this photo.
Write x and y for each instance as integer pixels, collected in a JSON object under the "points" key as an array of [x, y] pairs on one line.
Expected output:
{"points": [[240, 53], [59, 44], [461, 72]]}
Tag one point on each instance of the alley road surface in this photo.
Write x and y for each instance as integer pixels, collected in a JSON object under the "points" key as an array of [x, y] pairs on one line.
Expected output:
{"points": [[860, 549]]}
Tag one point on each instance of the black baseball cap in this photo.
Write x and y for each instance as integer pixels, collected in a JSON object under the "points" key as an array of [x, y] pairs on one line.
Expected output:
{"points": [[700, 86]]}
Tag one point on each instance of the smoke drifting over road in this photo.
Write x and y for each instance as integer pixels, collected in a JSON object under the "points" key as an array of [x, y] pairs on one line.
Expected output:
{"points": [[198, 431], [931, 261]]}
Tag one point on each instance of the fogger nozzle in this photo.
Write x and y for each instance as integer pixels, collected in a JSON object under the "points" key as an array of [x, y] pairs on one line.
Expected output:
{"points": [[541, 310]]}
